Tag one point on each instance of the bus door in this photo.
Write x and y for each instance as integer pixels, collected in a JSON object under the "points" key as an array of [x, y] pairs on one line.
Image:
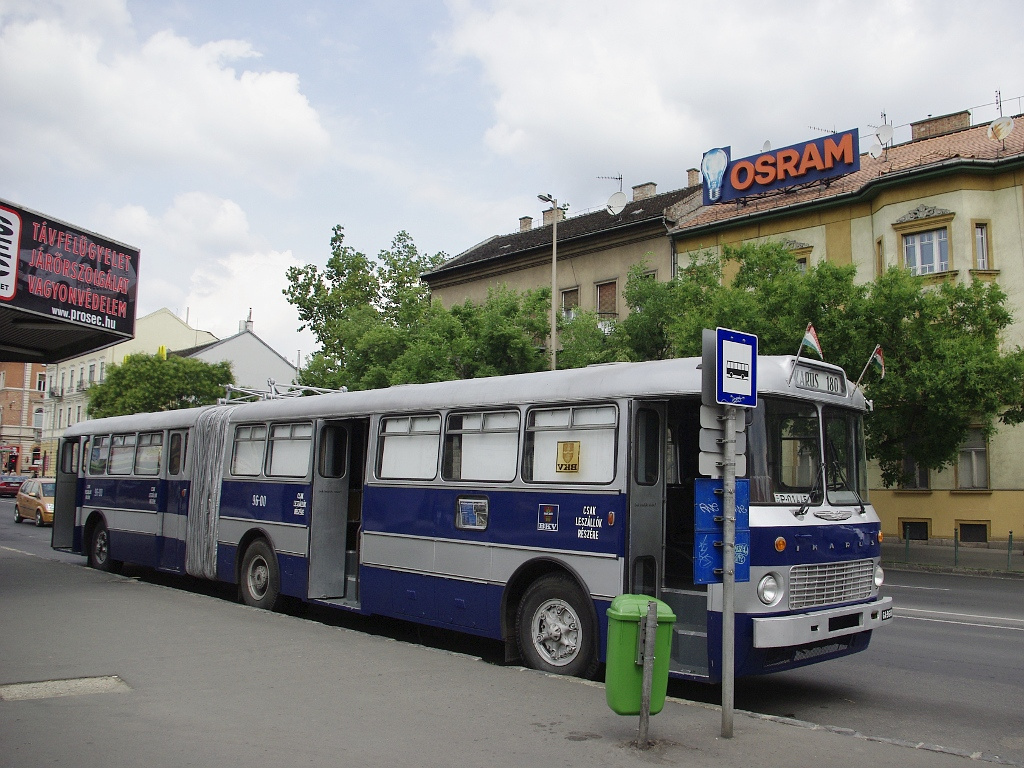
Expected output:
{"points": [[336, 511], [646, 498], [65, 502], [174, 522], [689, 601]]}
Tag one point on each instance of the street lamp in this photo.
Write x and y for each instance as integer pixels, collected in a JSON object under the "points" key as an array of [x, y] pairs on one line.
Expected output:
{"points": [[554, 271]]}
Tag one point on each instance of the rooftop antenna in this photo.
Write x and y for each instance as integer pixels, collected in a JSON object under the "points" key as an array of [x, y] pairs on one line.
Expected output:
{"points": [[822, 130], [1000, 128], [883, 138], [617, 202]]}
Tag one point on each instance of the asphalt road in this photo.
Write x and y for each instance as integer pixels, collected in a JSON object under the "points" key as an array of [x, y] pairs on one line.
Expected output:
{"points": [[948, 671]]}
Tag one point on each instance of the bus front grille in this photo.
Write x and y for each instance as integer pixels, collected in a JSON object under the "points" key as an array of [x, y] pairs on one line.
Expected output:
{"points": [[830, 583]]}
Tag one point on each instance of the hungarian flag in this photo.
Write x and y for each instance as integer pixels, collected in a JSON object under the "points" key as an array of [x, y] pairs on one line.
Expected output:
{"points": [[877, 360], [811, 341]]}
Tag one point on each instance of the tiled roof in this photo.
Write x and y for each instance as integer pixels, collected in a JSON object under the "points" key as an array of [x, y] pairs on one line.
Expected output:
{"points": [[965, 147], [575, 227]]}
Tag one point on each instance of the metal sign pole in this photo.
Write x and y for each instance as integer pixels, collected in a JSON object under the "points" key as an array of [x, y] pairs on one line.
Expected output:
{"points": [[729, 570]]}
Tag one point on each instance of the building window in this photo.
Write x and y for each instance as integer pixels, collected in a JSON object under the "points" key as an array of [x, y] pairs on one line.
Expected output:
{"points": [[925, 253], [982, 251], [102, 366], [41, 382], [92, 372], [879, 257], [972, 466], [915, 477], [37, 418], [606, 301], [570, 303]]}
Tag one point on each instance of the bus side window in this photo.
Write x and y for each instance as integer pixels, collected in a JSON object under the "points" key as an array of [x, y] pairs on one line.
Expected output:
{"points": [[333, 451], [247, 456], [69, 458], [408, 447], [289, 450], [648, 446], [175, 455], [98, 455], [482, 446], [148, 453], [570, 445], [122, 455]]}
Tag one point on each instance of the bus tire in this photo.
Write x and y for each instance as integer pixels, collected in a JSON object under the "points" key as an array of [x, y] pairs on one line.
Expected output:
{"points": [[99, 550], [555, 627], [260, 582]]}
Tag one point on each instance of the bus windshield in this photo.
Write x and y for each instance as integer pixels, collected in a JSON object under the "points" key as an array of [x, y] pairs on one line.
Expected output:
{"points": [[784, 453], [844, 456]]}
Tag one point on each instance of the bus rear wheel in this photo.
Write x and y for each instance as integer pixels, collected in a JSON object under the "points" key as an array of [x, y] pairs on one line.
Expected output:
{"points": [[99, 550], [260, 583], [555, 628]]}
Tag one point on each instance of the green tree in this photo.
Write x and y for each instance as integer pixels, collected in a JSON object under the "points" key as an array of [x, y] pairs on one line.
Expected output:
{"points": [[146, 383], [377, 326], [946, 368]]}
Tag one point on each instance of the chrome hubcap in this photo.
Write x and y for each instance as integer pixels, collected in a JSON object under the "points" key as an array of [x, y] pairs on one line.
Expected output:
{"points": [[259, 577], [556, 632]]}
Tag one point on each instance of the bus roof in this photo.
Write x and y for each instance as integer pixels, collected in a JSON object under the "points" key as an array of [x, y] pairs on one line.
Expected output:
{"points": [[653, 379]]}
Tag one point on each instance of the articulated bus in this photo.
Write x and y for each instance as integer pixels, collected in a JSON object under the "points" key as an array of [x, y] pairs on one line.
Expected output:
{"points": [[513, 507]]}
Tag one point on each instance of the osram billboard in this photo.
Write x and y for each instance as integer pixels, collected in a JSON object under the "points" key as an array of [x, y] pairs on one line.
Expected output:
{"points": [[66, 274], [822, 158]]}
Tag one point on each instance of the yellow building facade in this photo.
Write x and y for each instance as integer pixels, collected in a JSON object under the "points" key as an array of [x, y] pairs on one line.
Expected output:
{"points": [[951, 208]]}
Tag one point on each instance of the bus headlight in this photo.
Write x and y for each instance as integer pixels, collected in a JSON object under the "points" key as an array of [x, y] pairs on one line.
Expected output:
{"points": [[768, 590], [879, 575]]}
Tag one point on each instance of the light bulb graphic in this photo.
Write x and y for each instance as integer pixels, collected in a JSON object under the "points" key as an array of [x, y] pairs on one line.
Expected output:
{"points": [[713, 168]]}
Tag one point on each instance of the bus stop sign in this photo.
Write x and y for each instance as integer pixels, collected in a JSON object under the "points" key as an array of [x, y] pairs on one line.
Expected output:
{"points": [[735, 368]]}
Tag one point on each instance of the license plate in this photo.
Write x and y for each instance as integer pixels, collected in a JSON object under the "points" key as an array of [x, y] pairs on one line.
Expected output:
{"points": [[886, 614]]}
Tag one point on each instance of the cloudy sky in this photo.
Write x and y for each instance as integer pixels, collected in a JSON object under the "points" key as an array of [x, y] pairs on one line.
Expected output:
{"points": [[225, 138]]}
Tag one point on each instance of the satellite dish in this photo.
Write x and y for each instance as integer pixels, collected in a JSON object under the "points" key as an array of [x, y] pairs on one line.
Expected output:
{"points": [[884, 133], [767, 146], [876, 150], [1000, 128], [616, 203]]}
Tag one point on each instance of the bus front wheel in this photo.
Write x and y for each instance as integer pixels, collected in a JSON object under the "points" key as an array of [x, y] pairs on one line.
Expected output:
{"points": [[555, 628], [260, 584]]}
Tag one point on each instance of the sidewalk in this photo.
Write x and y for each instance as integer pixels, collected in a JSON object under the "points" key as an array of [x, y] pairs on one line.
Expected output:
{"points": [[178, 678], [924, 555]]}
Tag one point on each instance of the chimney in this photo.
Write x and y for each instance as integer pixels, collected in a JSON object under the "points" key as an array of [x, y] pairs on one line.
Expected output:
{"points": [[939, 126], [692, 177], [246, 325], [549, 216], [525, 223], [643, 191]]}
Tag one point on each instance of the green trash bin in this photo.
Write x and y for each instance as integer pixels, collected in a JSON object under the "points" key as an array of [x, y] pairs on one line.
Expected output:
{"points": [[623, 675]]}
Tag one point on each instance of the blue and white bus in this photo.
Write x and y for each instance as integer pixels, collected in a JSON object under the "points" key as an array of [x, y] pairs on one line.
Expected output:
{"points": [[513, 507]]}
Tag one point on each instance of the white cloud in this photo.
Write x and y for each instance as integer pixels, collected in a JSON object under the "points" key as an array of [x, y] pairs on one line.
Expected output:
{"points": [[652, 83], [93, 102], [200, 258]]}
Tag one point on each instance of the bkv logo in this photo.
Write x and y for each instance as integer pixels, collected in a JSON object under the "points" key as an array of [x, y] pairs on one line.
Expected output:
{"points": [[547, 517], [10, 238]]}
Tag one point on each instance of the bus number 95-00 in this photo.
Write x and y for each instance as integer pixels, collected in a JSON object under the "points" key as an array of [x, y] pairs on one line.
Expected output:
{"points": [[259, 500]]}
